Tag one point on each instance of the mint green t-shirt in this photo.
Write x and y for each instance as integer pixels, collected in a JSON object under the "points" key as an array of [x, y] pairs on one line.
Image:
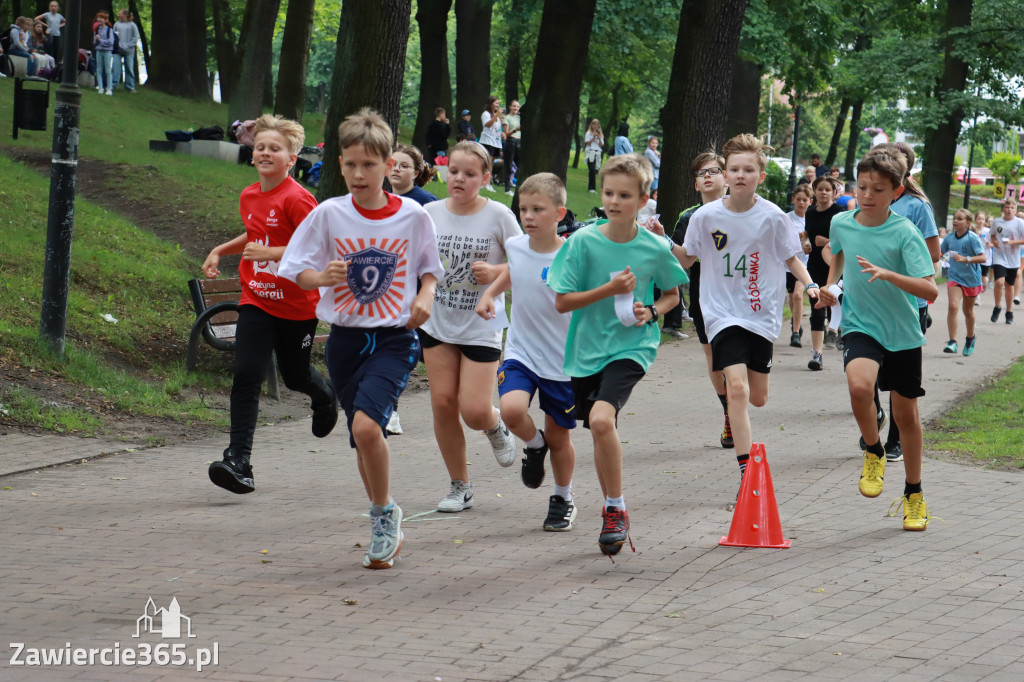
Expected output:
{"points": [[879, 309], [585, 262]]}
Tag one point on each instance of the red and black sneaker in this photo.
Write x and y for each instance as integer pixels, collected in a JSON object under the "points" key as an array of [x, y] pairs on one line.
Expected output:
{"points": [[726, 438], [615, 531]]}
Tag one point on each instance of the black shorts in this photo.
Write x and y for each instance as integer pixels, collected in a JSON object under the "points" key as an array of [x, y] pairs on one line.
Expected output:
{"points": [[739, 346], [1005, 273], [984, 269], [495, 152], [791, 281], [473, 353], [613, 384], [898, 371], [695, 310]]}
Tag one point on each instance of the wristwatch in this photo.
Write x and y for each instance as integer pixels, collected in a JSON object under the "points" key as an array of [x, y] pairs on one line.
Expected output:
{"points": [[654, 314]]}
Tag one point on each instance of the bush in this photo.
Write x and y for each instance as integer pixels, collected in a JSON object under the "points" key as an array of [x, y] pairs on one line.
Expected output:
{"points": [[1005, 165], [775, 186]]}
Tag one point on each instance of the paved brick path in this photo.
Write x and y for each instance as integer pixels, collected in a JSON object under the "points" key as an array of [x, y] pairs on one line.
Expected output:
{"points": [[487, 595]]}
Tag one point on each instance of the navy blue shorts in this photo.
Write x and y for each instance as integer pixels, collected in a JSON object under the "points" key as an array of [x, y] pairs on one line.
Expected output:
{"points": [[370, 368], [556, 397]]}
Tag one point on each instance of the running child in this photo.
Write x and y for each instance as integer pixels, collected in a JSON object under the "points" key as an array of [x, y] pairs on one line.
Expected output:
{"points": [[1006, 237], [965, 251], [611, 345], [274, 315], [816, 225], [535, 346], [366, 250], [745, 243], [982, 230], [461, 350], [803, 195], [888, 266]]}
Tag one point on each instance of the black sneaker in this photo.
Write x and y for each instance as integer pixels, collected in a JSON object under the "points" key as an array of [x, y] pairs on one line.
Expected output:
{"points": [[533, 465], [561, 514], [1009, 317], [615, 530], [325, 416], [794, 340], [995, 313], [234, 473], [881, 423], [894, 453], [726, 438]]}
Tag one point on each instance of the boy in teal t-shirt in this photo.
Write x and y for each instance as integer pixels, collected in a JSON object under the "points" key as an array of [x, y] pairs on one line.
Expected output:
{"points": [[884, 264], [606, 275]]}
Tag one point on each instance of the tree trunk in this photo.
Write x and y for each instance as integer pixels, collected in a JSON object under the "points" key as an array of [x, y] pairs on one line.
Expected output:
{"points": [[744, 99], [698, 95], [435, 79], [167, 70], [224, 48], [577, 138], [372, 38], [837, 132], [851, 144], [290, 99], [940, 142], [513, 68], [553, 101], [255, 58], [195, 16], [473, 56], [611, 129], [133, 7]]}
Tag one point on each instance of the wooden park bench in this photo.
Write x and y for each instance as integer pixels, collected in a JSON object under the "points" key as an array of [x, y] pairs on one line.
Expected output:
{"points": [[216, 304]]}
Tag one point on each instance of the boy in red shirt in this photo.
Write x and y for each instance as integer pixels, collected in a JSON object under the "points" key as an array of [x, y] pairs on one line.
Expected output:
{"points": [[274, 314]]}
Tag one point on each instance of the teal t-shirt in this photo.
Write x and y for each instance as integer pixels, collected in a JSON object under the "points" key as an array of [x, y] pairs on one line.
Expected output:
{"points": [[879, 309], [585, 262]]}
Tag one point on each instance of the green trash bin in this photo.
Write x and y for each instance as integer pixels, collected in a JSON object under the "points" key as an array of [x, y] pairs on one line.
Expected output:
{"points": [[31, 105]]}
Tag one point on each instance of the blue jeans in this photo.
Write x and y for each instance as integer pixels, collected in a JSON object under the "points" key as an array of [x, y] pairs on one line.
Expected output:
{"points": [[129, 70], [103, 63]]}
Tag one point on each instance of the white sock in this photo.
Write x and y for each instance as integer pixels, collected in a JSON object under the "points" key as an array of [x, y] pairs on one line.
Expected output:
{"points": [[617, 502], [564, 491], [536, 442]]}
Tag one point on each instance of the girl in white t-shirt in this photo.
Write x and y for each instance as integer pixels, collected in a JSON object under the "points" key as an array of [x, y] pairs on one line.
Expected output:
{"points": [[461, 350], [491, 131], [803, 195]]}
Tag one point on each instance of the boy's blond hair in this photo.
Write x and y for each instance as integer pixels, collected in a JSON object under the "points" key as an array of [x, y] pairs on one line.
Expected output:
{"points": [[967, 213], [705, 158], [292, 132], [745, 143], [1009, 200], [545, 184], [476, 149], [368, 128], [804, 188], [631, 165], [890, 164]]}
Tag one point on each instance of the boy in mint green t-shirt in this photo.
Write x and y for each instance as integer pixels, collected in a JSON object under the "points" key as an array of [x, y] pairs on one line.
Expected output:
{"points": [[884, 264], [606, 275]]}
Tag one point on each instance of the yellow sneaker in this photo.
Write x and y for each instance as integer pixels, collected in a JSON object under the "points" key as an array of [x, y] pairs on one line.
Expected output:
{"points": [[871, 475], [915, 511]]}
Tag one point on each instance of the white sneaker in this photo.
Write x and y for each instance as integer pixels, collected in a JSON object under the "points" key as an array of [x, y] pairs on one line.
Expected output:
{"points": [[510, 193], [503, 443], [99, 89], [394, 426], [109, 91], [459, 497], [489, 188]]}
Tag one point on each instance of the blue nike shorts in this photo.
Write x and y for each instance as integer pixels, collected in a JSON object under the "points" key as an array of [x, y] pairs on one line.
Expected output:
{"points": [[556, 397]]}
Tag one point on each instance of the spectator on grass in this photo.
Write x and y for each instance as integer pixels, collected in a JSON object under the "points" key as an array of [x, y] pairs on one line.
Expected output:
{"points": [[19, 43], [654, 156], [490, 136], [622, 143], [437, 135], [124, 57], [594, 141], [103, 47], [55, 21], [466, 126], [39, 45], [512, 136]]}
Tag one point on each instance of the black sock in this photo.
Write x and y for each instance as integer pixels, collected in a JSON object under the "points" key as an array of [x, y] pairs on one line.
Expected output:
{"points": [[742, 461], [725, 403], [877, 450], [878, 403], [911, 488], [893, 439]]}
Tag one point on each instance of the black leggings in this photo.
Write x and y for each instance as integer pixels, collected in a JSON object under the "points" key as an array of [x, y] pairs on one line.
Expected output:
{"points": [[592, 167], [257, 335]]}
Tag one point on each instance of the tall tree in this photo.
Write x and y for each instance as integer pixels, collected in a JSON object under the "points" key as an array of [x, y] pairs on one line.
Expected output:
{"points": [[851, 145], [698, 94], [195, 58], [745, 98], [255, 57], [372, 39], [940, 145], [290, 98], [133, 7], [837, 131], [170, 42], [552, 103], [435, 78], [473, 55], [224, 48]]}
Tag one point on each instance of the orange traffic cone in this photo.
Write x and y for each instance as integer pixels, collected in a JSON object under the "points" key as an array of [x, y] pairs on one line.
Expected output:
{"points": [[755, 522]]}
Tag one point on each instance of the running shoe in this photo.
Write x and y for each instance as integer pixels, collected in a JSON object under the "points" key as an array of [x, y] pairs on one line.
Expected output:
{"points": [[533, 465], [871, 475], [726, 438], [969, 346], [1016, 300], [839, 340], [830, 339], [1009, 317], [385, 538], [995, 314], [951, 347], [561, 514], [233, 473], [503, 443], [915, 511], [675, 333], [325, 415], [815, 364], [893, 453], [881, 423], [794, 340], [615, 530], [394, 426], [459, 498]]}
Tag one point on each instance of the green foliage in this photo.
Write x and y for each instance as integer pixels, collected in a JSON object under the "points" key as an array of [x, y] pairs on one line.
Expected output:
{"points": [[1005, 165], [775, 185]]}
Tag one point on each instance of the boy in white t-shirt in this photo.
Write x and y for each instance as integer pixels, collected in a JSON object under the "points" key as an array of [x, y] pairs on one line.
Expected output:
{"points": [[365, 251], [745, 244], [1006, 237], [535, 346]]}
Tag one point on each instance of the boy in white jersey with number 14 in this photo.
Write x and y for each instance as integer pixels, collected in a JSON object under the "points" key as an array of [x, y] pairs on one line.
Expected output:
{"points": [[365, 251], [745, 244], [535, 346]]}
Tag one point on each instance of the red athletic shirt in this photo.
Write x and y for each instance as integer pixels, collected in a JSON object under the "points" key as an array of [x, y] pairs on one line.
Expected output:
{"points": [[271, 218]]}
